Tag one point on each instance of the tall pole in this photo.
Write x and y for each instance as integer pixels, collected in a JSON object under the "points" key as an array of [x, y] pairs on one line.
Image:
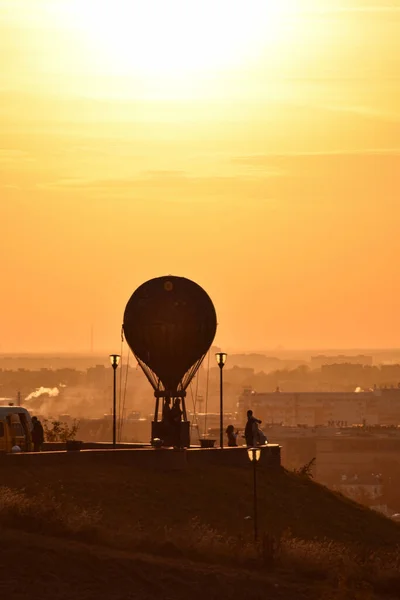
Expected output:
{"points": [[115, 408], [255, 499], [221, 410], [114, 359], [221, 358]]}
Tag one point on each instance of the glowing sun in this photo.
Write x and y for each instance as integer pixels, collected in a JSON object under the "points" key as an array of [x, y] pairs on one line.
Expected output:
{"points": [[166, 37]]}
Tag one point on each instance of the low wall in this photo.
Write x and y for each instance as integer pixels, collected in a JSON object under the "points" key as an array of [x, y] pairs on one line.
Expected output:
{"points": [[149, 458], [57, 446], [233, 457]]}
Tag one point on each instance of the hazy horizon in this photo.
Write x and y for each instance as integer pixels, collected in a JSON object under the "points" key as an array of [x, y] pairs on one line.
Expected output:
{"points": [[266, 351]]}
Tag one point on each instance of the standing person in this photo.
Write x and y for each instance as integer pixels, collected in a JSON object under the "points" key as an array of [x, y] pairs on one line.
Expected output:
{"points": [[250, 431], [176, 418], [166, 413], [37, 434], [232, 436], [260, 439], [166, 425]]}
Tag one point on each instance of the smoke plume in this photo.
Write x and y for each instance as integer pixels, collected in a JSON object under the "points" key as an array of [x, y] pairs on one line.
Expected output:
{"points": [[42, 391]]}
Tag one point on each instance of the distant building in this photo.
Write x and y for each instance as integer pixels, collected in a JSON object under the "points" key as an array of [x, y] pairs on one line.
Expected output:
{"points": [[356, 487], [337, 409], [262, 363], [361, 359]]}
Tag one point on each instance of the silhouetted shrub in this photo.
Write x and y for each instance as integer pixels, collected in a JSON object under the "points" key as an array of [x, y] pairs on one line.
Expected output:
{"points": [[306, 470], [57, 431]]}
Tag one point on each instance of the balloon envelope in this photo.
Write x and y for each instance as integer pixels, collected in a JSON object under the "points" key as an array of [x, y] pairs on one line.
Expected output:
{"points": [[169, 324]]}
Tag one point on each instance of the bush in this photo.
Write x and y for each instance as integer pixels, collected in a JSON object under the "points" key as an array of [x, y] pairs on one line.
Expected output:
{"points": [[57, 431], [306, 470]]}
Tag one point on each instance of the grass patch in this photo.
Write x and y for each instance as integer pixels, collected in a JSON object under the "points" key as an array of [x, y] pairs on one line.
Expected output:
{"points": [[348, 571], [307, 533], [46, 515], [353, 572], [220, 497]]}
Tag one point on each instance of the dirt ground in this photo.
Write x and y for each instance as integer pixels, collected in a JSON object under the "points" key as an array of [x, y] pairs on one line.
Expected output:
{"points": [[44, 568]]}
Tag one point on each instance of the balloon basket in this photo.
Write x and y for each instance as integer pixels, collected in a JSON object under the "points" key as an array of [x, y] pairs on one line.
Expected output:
{"points": [[172, 435]]}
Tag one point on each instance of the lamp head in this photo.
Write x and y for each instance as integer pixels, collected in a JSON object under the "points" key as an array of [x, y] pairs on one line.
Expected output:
{"points": [[254, 454], [221, 359], [114, 360]]}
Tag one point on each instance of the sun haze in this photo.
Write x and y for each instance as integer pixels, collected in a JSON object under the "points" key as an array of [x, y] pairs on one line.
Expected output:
{"points": [[164, 38], [249, 145]]}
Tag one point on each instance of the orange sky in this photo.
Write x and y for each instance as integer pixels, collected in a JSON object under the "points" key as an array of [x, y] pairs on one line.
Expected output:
{"points": [[269, 176]]}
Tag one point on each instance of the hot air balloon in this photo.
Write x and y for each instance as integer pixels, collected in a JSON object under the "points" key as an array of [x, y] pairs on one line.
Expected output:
{"points": [[170, 324]]}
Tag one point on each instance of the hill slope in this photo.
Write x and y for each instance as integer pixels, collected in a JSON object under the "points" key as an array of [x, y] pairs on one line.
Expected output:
{"points": [[148, 502], [92, 531]]}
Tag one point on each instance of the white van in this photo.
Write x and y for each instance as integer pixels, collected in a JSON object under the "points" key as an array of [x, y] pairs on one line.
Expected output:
{"points": [[15, 428]]}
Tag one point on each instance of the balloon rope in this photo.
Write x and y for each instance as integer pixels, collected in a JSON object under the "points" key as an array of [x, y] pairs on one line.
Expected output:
{"points": [[120, 383], [208, 378], [193, 404], [123, 405], [191, 373], [195, 397], [197, 386]]}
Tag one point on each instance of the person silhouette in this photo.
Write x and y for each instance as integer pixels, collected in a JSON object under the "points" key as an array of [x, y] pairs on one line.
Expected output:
{"points": [[176, 418], [37, 434], [232, 436], [250, 432]]}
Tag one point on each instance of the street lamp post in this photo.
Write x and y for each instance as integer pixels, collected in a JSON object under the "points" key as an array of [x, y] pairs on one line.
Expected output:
{"points": [[114, 359], [221, 360], [254, 455]]}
